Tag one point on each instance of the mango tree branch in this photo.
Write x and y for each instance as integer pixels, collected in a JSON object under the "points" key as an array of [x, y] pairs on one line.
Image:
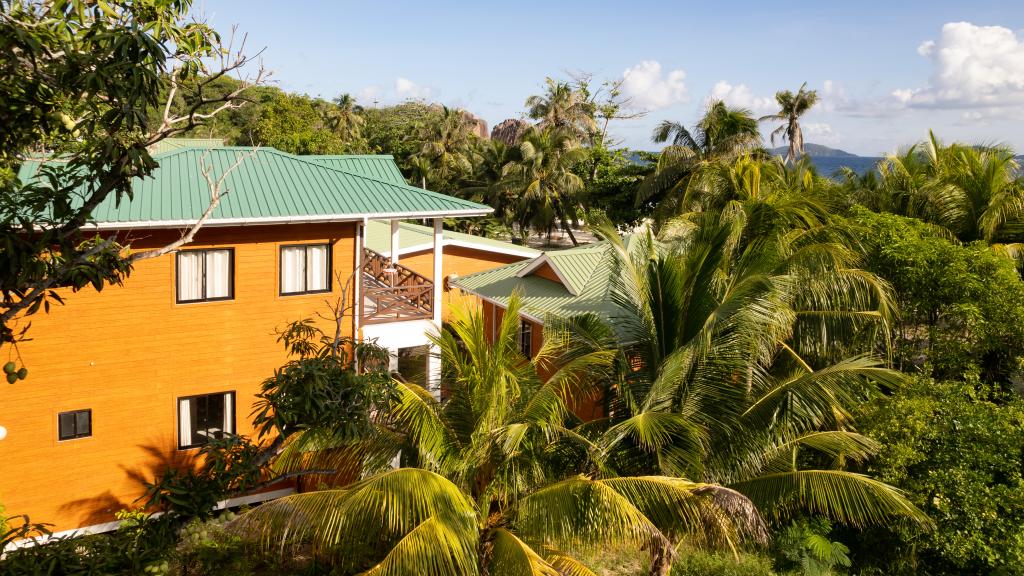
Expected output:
{"points": [[217, 192]]}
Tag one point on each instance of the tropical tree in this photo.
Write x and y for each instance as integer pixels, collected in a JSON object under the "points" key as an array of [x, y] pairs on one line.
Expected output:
{"points": [[564, 106], [493, 163], [722, 134], [446, 145], [491, 485], [544, 179], [742, 366], [976, 192], [791, 108], [774, 198]]}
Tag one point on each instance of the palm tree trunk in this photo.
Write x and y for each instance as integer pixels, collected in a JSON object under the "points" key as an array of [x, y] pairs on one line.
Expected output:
{"points": [[662, 556]]}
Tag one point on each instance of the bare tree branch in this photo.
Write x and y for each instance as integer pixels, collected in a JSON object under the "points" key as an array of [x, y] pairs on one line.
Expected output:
{"points": [[217, 192]]}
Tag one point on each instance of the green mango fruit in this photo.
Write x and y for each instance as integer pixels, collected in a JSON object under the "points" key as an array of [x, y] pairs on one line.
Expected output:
{"points": [[12, 378], [10, 368]]}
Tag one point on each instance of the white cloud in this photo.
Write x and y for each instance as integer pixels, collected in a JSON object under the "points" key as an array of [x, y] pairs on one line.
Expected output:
{"points": [[973, 66], [741, 96], [369, 95], [649, 89], [820, 133], [409, 90]]}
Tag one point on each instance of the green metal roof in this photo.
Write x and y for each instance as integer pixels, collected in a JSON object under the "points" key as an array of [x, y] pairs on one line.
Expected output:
{"points": [[588, 268], [381, 167], [414, 237], [269, 186], [172, 144]]}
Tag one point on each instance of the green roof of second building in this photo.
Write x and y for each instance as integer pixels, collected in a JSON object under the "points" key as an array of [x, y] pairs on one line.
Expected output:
{"points": [[586, 270]]}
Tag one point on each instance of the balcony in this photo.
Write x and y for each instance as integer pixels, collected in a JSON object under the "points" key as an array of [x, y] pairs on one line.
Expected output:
{"points": [[392, 292]]}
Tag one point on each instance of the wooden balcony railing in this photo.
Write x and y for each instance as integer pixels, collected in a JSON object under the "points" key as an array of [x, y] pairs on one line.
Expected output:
{"points": [[392, 292]]}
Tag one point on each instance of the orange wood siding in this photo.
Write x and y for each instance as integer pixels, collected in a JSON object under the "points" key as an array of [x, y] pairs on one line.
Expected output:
{"points": [[589, 407], [460, 261], [127, 353], [546, 272]]}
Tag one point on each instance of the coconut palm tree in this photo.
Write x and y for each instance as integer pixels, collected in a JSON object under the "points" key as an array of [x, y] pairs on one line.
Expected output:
{"points": [[446, 145], [566, 107], [775, 197], [973, 191], [791, 108], [723, 384], [346, 119], [722, 134], [742, 367], [493, 162], [491, 484], [544, 180]]}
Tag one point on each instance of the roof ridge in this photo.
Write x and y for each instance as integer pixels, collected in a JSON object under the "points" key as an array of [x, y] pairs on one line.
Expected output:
{"points": [[407, 187], [391, 156]]}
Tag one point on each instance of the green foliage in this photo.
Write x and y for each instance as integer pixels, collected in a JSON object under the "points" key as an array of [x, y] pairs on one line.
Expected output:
{"points": [[692, 562], [139, 543], [961, 307], [322, 388], [97, 121], [223, 467], [617, 173], [806, 548], [394, 129], [955, 447]]}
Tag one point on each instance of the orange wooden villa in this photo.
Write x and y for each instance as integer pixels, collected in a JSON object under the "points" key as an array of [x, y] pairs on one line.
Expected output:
{"points": [[131, 379]]}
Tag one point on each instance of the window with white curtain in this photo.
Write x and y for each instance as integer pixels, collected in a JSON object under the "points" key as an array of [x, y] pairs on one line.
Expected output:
{"points": [[205, 275], [204, 418], [305, 268]]}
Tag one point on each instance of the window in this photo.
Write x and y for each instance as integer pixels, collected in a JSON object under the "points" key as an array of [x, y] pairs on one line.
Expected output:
{"points": [[526, 338], [206, 417], [74, 424], [305, 269], [205, 275], [412, 364]]}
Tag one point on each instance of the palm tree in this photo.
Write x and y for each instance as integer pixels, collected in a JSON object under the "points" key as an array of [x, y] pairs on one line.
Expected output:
{"points": [[491, 483], [722, 134], [346, 119], [973, 191], [774, 198], [446, 145], [791, 108], [734, 370], [491, 183], [544, 179], [566, 107]]}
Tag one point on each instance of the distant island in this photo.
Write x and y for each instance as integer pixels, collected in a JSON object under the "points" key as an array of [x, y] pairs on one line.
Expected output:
{"points": [[816, 151]]}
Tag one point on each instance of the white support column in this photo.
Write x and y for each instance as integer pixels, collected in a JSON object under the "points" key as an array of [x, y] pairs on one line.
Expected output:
{"points": [[434, 358], [438, 268], [357, 296], [395, 246]]}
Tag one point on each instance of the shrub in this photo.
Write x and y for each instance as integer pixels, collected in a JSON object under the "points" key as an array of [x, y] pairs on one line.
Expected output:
{"points": [[961, 306], [957, 448]]}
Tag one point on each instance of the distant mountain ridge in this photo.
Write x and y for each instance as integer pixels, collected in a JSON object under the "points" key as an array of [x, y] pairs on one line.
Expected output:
{"points": [[816, 151]]}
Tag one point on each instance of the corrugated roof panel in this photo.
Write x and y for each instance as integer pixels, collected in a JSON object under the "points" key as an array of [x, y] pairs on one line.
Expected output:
{"points": [[269, 184], [541, 297]]}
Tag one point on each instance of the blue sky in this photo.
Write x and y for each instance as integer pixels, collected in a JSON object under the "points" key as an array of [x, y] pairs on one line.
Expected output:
{"points": [[887, 71]]}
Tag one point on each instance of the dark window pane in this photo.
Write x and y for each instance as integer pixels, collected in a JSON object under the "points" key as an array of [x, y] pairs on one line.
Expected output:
{"points": [[83, 424], [67, 425]]}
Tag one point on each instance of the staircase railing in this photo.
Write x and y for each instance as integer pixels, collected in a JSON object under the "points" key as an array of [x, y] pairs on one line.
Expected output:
{"points": [[393, 292]]}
